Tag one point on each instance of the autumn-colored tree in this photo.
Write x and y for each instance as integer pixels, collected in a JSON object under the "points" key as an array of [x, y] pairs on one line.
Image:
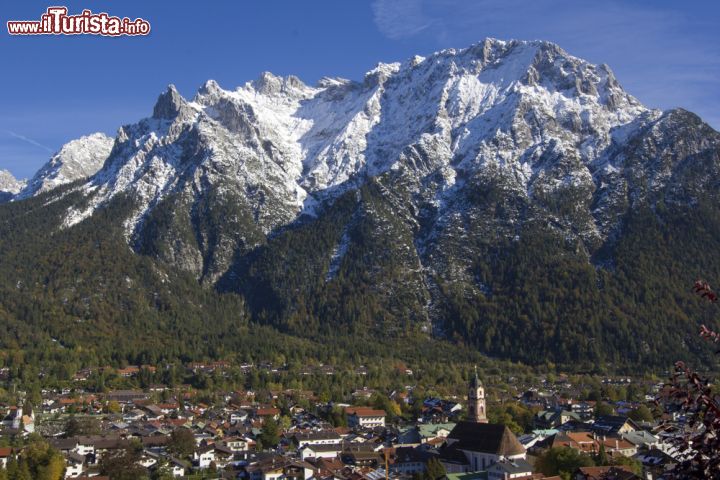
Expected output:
{"points": [[641, 414], [382, 402], [113, 407], [43, 461], [562, 461], [514, 415], [691, 393], [634, 465]]}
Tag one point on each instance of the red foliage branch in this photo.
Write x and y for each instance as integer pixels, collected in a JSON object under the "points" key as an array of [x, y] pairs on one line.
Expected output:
{"points": [[690, 394], [703, 289]]}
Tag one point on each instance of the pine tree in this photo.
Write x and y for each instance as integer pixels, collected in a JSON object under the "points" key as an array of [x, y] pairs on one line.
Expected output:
{"points": [[270, 435], [602, 458], [434, 470]]}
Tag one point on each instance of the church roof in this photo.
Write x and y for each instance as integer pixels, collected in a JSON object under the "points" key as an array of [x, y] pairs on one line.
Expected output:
{"points": [[486, 438]]}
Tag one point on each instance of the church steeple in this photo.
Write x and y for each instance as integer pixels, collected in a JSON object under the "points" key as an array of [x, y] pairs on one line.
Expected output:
{"points": [[476, 401]]}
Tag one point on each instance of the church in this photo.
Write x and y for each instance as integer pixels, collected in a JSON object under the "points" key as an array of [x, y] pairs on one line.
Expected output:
{"points": [[475, 445]]}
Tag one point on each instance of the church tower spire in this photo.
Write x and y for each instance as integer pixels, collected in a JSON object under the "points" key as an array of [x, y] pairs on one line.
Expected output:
{"points": [[476, 401]]}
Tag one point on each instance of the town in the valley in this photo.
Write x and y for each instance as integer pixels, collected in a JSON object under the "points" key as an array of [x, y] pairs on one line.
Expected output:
{"points": [[551, 429]]}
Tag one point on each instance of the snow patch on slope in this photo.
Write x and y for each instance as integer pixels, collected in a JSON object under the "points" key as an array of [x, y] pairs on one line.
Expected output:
{"points": [[77, 159]]}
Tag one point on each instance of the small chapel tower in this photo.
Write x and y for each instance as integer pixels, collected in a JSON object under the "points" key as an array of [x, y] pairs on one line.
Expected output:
{"points": [[476, 401]]}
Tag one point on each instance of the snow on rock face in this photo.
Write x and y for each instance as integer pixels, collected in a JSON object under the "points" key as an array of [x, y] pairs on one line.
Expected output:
{"points": [[77, 159], [526, 111], [9, 184]]}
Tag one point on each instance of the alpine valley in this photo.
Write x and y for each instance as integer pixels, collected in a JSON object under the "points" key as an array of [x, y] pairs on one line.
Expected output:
{"points": [[506, 198]]}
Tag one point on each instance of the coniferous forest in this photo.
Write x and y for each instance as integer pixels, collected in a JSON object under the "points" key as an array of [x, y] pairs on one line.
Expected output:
{"points": [[80, 296]]}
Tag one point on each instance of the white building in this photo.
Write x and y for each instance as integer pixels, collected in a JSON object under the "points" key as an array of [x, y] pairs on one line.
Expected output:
{"points": [[364, 417], [322, 437], [320, 451], [204, 457]]}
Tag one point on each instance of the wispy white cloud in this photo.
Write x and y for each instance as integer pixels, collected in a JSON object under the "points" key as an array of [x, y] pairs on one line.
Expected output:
{"points": [[398, 19], [29, 140]]}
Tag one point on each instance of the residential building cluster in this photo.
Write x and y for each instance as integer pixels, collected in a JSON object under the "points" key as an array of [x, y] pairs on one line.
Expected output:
{"points": [[230, 437]]}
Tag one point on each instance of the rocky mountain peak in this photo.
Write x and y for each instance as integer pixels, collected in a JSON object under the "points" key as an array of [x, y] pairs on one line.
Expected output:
{"points": [[77, 159], [211, 87], [269, 84], [9, 184], [169, 104]]}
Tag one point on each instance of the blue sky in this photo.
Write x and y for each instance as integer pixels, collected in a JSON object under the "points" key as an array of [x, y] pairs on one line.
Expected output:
{"points": [[54, 89]]}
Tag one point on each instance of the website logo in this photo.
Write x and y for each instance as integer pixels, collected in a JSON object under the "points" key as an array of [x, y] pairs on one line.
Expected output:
{"points": [[56, 21]]}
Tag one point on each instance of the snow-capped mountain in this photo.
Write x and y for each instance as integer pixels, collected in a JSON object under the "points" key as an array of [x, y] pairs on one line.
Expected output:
{"points": [[486, 193], [76, 160], [9, 185], [525, 114], [494, 105]]}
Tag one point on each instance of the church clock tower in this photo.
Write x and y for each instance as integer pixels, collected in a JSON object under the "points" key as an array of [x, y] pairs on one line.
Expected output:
{"points": [[476, 401]]}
